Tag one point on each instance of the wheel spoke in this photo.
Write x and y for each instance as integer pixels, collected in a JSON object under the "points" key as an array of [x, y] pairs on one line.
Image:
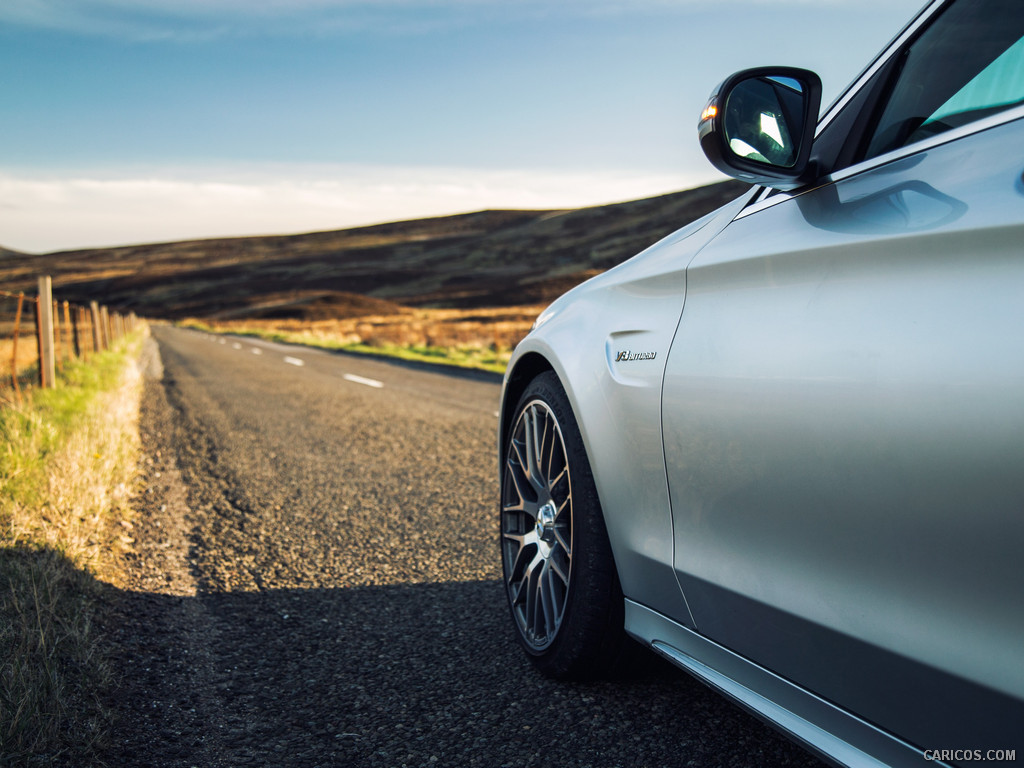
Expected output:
{"points": [[516, 591], [556, 568], [563, 543], [522, 468], [519, 455], [533, 609], [525, 541], [557, 479], [547, 599], [550, 468], [530, 608], [530, 443], [539, 432], [565, 505], [515, 475], [533, 568]]}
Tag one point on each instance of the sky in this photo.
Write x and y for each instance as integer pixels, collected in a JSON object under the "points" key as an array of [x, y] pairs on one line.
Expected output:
{"points": [[131, 121]]}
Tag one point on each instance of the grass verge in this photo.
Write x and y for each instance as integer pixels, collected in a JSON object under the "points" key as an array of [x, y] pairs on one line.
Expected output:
{"points": [[479, 357], [67, 461]]}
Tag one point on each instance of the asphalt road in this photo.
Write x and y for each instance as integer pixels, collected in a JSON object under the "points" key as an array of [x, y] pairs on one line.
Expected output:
{"points": [[316, 583]]}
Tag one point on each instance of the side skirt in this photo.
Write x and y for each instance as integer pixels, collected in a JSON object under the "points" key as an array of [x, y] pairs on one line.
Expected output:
{"points": [[830, 732]]}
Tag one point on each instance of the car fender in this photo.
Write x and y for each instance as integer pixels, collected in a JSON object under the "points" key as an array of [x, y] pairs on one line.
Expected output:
{"points": [[607, 340]]}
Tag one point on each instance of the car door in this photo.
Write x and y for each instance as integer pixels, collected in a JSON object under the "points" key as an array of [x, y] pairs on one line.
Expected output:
{"points": [[843, 415]]}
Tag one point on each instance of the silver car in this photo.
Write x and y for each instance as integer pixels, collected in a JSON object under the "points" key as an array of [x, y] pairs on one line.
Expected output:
{"points": [[784, 446]]}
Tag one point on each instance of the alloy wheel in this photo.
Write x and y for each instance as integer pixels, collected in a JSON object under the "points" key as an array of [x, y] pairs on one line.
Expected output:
{"points": [[536, 524]]}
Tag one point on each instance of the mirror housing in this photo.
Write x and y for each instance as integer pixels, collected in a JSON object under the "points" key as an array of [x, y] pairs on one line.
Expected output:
{"points": [[758, 126]]}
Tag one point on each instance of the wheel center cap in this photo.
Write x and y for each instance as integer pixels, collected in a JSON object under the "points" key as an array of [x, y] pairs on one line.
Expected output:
{"points": [[545, 527]]}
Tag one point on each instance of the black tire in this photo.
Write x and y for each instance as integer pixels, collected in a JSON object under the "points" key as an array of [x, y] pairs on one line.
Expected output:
{"points": [[560, 579]]}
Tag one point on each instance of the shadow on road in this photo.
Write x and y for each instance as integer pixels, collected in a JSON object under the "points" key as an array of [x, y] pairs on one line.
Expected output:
{"points": [[425, 674]]}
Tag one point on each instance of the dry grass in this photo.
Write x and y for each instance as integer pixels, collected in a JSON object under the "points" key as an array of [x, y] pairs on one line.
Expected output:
{"points": [[87, 460], [478, 338], [25, 364], [66, 468]]}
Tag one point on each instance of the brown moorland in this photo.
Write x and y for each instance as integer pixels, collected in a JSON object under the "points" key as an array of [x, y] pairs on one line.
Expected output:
{"points": [[424, 282]]}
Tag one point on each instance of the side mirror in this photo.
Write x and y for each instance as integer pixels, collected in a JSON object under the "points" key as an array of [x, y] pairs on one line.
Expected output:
{"points": [[758, 125]]}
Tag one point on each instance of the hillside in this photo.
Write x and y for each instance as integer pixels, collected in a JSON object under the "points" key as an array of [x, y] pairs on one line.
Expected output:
{"points": [[7, 253], [483, 259]]}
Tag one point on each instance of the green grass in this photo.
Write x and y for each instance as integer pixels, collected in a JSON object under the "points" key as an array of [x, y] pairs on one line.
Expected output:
{"points": [[66, 466], [480, 358], [33, 433], [474, 357]]}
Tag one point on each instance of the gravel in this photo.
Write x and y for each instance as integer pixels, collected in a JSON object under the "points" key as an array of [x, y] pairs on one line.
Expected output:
{"points": [[316, 582]]}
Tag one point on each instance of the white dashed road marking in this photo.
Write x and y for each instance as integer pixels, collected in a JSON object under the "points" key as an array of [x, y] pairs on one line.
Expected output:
{"points": [[360, 380], [257, 351], [236, 345], [294, 361]]}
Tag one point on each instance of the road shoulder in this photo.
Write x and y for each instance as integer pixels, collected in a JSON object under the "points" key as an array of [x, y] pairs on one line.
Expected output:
{"points": [[160, 631]]}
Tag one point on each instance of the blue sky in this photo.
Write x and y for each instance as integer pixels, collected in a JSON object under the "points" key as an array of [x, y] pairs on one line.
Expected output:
{"points": [[131, 121]]}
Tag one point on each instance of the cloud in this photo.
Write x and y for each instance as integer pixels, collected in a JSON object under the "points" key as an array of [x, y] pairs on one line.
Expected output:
{"points": [[41, 213], [204, 20], [188, 20]]}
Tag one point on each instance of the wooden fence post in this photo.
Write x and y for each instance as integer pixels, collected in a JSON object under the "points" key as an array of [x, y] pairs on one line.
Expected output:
{"points": [[69, 331], [58, 347], [105, 323], [44, 308], [85, 337], [14, 347], [97, 330], [75, 321]]}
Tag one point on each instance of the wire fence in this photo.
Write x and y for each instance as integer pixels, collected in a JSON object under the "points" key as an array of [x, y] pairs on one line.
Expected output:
{"points": [[40, 334]]}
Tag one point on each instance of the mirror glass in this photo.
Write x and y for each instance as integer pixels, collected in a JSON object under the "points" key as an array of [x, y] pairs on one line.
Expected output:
{"points": [[764, 119]]}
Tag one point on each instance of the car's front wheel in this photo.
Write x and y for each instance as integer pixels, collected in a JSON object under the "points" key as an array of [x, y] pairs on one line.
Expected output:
{"points": [[559, 573]]}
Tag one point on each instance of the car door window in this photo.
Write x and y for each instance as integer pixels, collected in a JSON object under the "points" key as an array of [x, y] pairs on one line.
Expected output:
{"points": [[967, 65]]}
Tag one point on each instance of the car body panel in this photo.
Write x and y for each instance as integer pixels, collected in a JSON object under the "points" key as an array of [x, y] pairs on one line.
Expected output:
{"points": [[871, 463], [634, 307], [873, 460]]}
